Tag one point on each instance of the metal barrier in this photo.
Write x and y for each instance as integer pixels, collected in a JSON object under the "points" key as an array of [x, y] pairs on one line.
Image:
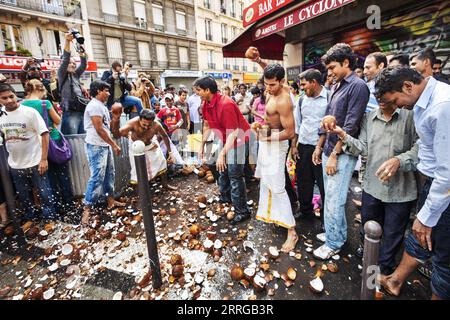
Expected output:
{"points": [[373, 232], [79, 166]]}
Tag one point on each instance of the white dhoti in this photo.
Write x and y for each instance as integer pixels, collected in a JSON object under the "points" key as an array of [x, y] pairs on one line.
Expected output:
{"points": [[155, 160], [175, 154], [274, 204]]}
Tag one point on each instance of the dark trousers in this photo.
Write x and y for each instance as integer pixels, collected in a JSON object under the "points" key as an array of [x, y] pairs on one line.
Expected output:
{"points": [[393, 218], [24, 181], [307, 175]]}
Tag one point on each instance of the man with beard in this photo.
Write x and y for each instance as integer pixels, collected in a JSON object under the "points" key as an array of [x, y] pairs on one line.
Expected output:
{"points": [[146, 129]]}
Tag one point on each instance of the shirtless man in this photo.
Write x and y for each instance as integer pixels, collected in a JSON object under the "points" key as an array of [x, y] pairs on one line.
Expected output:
{"points": [[146, 129], [274, 204]]}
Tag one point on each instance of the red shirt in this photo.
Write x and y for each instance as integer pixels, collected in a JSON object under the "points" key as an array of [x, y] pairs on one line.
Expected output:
{"points": [[170, 116], [224, 115]]}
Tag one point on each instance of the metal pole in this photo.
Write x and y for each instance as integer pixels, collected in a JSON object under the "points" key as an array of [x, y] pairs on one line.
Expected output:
{"points": [[145, 203], [373, 231], [9, 194]]}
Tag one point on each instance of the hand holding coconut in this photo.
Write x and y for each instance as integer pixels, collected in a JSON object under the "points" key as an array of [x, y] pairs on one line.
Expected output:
{"points": [[328, 123]]}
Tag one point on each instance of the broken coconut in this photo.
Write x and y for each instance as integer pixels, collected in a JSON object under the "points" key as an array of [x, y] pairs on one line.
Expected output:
{"points": [[249, 273], [201, 199], [316, 285], [291, 274], [67, 249], [273, 252], [176, 259], [194, 230], [208, 245], [259, 283], [218, 244], [237, 273]]}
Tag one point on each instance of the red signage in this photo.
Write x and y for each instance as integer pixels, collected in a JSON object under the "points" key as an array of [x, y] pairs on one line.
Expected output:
{"points": [[299, 15], [12, 63], [262, 8]]}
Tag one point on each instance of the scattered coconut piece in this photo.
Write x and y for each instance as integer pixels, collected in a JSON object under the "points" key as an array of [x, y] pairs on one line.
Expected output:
{"points": [[316, 285], [237, 273], [118, 296], [291, 273], [273, 252], [48, 294]]}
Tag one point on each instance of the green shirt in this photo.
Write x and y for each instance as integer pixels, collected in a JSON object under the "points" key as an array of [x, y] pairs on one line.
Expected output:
{"points": [[381, 140], [37, 105]]}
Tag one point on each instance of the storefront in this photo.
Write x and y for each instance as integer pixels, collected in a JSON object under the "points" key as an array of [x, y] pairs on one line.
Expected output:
{"points": [[310, 28], [179, 77], [252, 78], [222, 78], [11, 66]]}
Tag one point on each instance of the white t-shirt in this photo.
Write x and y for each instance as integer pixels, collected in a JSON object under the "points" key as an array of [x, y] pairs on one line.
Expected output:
{"points": [[194, 102], [22, 129], [96, 108]]}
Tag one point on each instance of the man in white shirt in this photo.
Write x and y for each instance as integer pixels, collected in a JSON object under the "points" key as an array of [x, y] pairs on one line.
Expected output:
{"points": [[194, 102], [99, 148], [22, 127]]}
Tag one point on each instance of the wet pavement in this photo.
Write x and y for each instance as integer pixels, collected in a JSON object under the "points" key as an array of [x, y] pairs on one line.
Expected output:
{"points": [[110, 259]]}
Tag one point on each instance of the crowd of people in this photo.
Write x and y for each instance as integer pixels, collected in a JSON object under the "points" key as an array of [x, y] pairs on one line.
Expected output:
{"points": [[393, 116]]}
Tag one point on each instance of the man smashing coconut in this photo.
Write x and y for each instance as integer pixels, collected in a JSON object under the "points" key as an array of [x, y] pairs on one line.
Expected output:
{"points": [[274, 205], [146, 129]]}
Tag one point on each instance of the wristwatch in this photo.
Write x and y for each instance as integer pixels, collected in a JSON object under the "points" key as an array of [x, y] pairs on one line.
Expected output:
{"points": [[334, 152]]}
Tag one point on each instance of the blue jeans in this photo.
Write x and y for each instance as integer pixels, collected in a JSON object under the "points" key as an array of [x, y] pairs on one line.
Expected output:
{"points": [[440, 255], [130, 101], [101, 181], [24, 181], [72, 122], [232, 182], [336, 188], [61, 186]]}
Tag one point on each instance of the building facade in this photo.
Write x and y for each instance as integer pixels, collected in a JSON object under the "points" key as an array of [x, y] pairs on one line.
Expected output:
{"points": [[156, 37], [219, 22], [37, 28]]}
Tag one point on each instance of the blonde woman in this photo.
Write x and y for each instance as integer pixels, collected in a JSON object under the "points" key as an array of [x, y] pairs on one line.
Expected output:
{"points": [[58, 173]]}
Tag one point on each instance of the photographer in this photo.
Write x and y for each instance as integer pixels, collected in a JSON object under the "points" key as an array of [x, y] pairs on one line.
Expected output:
{"points": [[73, 97], [32, 70], [144, 89], [120, 89]]}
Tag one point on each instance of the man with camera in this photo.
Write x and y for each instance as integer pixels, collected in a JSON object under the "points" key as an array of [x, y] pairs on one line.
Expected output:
{"points": [[73, 96], [117, 78], [144, 89], [33, 70]]}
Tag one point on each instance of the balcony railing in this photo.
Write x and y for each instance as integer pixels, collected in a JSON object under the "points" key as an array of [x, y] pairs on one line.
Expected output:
{"points": [[160, 64], [146, 63], [244, 68], [110, 18], [209, 36], [141, 23], [185, 65], [235, 67], [158, 27], [226, 67], [181, 32], [211, 65], [55, 7]]}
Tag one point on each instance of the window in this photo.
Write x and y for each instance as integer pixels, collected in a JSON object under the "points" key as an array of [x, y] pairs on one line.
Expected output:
{"points": [[114, 48], [144, 54], [223, 7], [53, 42], [208, 33], [211, 64], [226, 64], [53, 6], [158, 20], [161, 54], [233, 32], [233, 8], [139, 13], [10, 38], [224, 29], [181, 20], [109, 8], [184, 57], [241, 12], [207, 4]]}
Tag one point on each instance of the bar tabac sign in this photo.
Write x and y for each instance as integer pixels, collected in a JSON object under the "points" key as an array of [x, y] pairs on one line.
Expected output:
{"points": [[302, 14], [262, 8]]}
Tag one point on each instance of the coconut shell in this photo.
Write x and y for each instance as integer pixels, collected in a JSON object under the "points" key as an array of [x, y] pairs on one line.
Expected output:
{"points": [[237, 273], [210, 179], [176, 259], [194, 230], [177, 271]]}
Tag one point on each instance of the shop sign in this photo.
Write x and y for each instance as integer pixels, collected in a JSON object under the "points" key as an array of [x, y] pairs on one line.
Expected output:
{"points": [[293, 72], [220, 75], [302, 14], [262, 8], [8, 63]]}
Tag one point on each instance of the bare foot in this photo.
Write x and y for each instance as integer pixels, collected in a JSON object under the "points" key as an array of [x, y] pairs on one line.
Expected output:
{"points": [[290, 243], [114, 203], [389, 284], [357, 203], [85, 217]]}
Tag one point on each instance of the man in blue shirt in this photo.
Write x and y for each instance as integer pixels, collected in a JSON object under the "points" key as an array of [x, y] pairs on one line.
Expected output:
{"points": [[308, 114], [430, 237], [348, 103]]}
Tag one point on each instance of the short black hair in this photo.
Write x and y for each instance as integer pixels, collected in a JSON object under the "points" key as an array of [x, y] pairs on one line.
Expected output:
{"points": [[147, 114], [255, 90], [206, 82], [97, 86], [403, 59], [295, 86], [338, 53], [6, 87], [379, 58], [391, 79], [437, 61], [275, 70], [424, 54], [115, 64], [310, 75], [242, 85]]}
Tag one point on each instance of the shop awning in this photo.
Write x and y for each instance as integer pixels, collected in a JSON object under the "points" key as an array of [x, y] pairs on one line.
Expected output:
{"points": [[270, 47], [265, 33]]}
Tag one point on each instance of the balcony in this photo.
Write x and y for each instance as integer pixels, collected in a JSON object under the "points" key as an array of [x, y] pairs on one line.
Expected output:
{"points": [[181, 32], [185, 65], [160, 64], [141, 23], [226, 67], [112, 59], [236, 68], [211, 65], [110, 18], [209, 36], [53, 7], [147, 64], [158, 27], [244, 68]]}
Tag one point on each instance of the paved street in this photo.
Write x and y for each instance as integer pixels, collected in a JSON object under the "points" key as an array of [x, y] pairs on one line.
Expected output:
{"points": [[100, 265]]}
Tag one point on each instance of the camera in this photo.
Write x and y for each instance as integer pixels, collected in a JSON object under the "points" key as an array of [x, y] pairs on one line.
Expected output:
{"points": [[122, 77], [77, 35], [39, 60], [129, 65]]}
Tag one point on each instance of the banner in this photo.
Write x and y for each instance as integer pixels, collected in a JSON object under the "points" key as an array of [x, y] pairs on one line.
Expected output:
{"points": [[14, 63], [262, 8]]}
